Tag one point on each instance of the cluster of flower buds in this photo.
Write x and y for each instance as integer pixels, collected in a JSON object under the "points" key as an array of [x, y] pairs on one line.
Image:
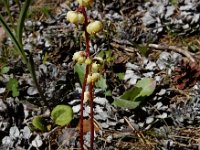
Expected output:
{"points": [[78, 18]]}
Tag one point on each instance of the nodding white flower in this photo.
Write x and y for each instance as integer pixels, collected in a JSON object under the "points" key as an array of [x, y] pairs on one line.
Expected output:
{"points": [[98, 60], [95, 66], [81, 60], [94, 77], [76, 56], [89, 79], [94, 27], [86, 96], [88, 61], [85, 2], [80, 57], [75, 17]]}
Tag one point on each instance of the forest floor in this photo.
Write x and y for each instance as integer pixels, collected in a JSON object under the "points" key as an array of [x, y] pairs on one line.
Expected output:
{"points": [[157, 39]]}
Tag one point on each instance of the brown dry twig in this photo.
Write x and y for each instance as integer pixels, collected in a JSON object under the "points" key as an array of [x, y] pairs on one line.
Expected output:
{"points": [[140, 135], [182, 51]]}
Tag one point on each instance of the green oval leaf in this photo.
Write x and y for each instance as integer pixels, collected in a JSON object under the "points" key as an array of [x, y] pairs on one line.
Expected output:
{"points": [[62, 114], [12, 85], [134, 96], [147, 85], [39, 123]]}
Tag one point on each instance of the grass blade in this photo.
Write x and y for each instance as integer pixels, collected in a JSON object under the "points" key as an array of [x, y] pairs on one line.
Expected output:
{"points": [[13, 38], [20, 23]]}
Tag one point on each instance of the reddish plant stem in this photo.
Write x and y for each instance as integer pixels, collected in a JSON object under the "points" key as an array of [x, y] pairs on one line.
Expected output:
{"points": [[84, 86], [92, 116], [82, 99], [86, 34]]}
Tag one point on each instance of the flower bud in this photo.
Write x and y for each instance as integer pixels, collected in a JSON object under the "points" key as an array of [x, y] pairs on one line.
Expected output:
{"points": [[89, 79], [96, 77], [79, 57], [93, 78], [85, 2], [81, 60], [94, 27], [88, 61], [75, 17], [95, 67], [98, 60], [81, 18], [86, 96], [76, 56]]}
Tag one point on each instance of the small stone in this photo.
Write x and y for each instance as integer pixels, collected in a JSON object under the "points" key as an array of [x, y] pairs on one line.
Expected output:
{"points": [[26, 132], [149, 120], [37, 142], [132, 66], [14, 132], [7, 141], [170, 11], [158, 105], [47, 43], [162, 116], [32, 91], [104, 125], [76, 108], [109, 139], [148, 19], [3, 107], [151, 65], [101, 101], [148, 74], [141, 124], [186, 26], [162, 92]]}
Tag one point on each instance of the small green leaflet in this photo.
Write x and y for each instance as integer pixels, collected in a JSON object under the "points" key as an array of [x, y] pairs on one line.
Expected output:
{"points": [[4, 70], [101, 83], [12, 86], [80, 70], [39, 123]]}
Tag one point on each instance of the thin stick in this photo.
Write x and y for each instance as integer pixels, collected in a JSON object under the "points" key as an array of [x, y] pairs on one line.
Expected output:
{"points": [[173, 48], [138, 134]]}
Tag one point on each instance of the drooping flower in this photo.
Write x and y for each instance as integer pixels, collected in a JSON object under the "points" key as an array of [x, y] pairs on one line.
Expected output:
{"points": [[94, 27], [75, 17]]}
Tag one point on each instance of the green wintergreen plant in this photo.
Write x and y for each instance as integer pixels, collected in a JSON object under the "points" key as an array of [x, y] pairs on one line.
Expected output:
{"points": [[86, 64], [15, 35]]}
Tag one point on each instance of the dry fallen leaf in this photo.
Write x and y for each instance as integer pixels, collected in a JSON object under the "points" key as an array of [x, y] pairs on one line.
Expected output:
{"points": [[86, 126]]}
